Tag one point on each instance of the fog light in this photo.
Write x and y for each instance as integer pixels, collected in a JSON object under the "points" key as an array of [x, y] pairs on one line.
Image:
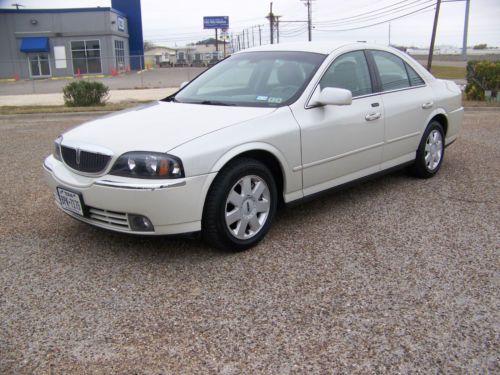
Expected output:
{"points": [[140, 223]]}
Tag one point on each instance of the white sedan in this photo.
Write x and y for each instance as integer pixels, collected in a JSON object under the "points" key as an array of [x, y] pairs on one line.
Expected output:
{"points": [[268, 125]]}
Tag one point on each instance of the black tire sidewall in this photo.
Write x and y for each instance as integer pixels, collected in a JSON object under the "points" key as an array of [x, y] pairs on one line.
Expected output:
{"points": [[420, 165], [221, 189]]}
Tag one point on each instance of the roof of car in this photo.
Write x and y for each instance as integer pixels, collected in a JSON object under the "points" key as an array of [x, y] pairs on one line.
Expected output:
{"points": [[317, 47]]}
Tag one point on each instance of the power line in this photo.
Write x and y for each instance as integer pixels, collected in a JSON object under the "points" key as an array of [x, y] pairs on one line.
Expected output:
{"points": [[384, 14], [371, 11], [381, 22]]}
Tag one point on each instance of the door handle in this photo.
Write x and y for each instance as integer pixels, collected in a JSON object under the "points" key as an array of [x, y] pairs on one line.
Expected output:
{"points": [[427, 105], [373, 116]]}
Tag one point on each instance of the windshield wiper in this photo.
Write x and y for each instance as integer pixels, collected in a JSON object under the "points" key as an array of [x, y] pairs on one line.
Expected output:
{"points": [[215, 102]]}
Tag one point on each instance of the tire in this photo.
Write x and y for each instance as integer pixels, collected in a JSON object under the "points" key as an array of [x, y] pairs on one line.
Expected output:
{"points": [[430, 152], [240, 206]]}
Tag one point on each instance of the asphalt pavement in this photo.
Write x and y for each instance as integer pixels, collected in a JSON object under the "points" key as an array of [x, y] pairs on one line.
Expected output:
{"points": [[397, 275]]}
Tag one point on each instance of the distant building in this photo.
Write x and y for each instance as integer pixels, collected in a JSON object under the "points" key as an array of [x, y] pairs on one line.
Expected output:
{"points": [[160, 57], [42, 43]]}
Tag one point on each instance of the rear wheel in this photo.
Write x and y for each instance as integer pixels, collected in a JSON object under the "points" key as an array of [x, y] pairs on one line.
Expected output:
{"points": [[430, 152], [240, 205]]}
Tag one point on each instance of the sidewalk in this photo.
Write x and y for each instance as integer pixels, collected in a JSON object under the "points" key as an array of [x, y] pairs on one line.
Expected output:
{"points": [[115, 96]]}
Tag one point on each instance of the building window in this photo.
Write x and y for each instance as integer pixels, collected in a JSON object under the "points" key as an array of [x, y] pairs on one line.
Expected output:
{"points": [[39, 65], [86, 56], [120, 55]]}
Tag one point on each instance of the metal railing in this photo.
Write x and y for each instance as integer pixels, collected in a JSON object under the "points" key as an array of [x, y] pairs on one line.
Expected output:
{"points": [[47, 75]]}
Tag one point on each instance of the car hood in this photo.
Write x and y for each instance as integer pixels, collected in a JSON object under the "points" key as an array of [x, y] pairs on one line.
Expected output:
{"points": [[159, 126]]}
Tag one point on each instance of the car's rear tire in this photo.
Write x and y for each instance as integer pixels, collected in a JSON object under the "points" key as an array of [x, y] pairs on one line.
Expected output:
{"points": [[430, 152], [240, 205]]}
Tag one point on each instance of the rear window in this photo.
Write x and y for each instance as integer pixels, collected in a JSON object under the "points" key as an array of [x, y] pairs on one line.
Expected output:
{"points": [[392, 71], [415, 79]]}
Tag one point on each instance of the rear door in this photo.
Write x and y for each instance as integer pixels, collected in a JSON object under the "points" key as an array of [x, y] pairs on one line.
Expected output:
{"points": [[407, 101]]}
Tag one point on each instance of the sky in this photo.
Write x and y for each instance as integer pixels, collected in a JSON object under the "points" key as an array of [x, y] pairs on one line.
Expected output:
{"points": [[175, 23]]}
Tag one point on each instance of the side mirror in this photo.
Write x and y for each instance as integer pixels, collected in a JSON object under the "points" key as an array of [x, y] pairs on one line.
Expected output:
{"points": [[331, 96], [183, 84]]}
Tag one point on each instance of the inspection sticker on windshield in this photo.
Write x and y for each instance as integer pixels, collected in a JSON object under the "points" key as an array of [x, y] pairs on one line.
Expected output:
{"points": [[274, 100], [262, 98]]}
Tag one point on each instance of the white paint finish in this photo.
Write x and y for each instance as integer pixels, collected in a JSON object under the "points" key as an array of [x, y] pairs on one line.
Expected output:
{"points": [[337, 140], [317, 148], [159, 126], [405, 120], [60, 57], [277, 133], [163, 207]]}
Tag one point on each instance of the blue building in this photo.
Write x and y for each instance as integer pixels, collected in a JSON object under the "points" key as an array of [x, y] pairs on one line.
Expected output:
{"points": [[42, 43]]}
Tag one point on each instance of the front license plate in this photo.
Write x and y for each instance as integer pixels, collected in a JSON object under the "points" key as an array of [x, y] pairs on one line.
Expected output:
{"points": [[70, 201]]}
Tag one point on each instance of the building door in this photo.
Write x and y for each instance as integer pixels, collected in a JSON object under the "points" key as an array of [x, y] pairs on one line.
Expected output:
{"points": [[39, 65], [120, 55]]}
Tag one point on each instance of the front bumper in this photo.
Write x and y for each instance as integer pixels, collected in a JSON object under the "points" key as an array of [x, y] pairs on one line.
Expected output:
{"points": [[172, 206]]}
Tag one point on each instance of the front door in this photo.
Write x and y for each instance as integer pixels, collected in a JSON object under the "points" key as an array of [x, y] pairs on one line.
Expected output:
{"points": [[39, 65], [341, 143]]}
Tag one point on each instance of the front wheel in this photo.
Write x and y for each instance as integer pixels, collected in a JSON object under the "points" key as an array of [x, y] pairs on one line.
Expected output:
{"points": [[430, 152], [240, 205]]}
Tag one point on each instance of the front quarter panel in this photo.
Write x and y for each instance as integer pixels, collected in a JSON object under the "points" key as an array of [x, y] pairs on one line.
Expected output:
{"points": [[277, 133]]}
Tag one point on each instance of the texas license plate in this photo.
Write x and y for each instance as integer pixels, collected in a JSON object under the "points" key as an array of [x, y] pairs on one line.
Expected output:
{"points": [[70, 201]]}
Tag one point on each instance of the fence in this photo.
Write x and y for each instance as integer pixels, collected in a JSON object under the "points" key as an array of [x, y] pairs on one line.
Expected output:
{"points": [[41, 73]]}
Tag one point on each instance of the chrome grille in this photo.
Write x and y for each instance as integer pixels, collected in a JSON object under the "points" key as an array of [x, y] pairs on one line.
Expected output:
{"points": [[117, 219], [88, 162]]}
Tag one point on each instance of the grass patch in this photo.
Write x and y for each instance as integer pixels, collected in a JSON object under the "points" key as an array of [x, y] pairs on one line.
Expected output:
{"points": [[448, 72], [477, 103], [17, 110]]}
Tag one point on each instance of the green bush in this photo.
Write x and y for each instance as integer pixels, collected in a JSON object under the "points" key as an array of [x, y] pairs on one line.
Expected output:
{"points": [[481, 76], [85, 93]]}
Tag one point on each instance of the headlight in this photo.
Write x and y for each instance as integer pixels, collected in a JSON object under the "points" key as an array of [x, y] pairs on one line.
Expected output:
{"points": [[57, 148], [141, 164]]}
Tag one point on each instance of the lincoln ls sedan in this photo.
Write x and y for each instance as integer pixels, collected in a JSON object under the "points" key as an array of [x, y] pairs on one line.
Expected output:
{"points": [[267, 126]]}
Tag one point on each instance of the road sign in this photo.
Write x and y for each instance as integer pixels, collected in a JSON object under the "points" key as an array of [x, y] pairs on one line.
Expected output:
{"points": [[218, 22]]}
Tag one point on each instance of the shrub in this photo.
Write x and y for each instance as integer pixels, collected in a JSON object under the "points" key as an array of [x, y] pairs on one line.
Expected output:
{"points": [[481, 76], [85, 93]]}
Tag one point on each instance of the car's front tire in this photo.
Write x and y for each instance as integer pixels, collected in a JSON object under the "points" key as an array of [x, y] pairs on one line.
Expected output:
{"points": [[240, 205], [430, 152]]}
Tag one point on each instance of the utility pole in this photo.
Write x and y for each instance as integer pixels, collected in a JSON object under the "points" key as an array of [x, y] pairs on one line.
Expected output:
{"points": [[271, 22], [253, 37], [277, 29], [433, 38], [260, 36], [308, 4], [466, 29], [18, 5], [216, 41], [243, 39], [389, 34], [239, 44]]}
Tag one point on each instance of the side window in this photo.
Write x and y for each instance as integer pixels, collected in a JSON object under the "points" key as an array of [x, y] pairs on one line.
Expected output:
{"points": [[392, 71], [415, 79], [349, 71]]}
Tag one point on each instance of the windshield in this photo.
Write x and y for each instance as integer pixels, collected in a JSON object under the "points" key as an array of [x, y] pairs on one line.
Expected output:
{"points": [[258, 79]]}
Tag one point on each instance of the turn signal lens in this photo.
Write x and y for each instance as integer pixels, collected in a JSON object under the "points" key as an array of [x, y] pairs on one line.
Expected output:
{"points": [[57, 148]]}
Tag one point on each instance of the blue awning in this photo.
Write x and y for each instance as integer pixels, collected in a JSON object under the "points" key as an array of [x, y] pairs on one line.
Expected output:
{"points": [[35, 44]]}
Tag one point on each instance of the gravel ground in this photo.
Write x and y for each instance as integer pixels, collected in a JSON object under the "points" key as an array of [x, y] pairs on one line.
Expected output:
{"points": [[396, 275]]}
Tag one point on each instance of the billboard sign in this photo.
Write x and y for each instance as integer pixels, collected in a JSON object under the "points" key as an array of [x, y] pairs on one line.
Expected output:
{"points": [[219, 22]]}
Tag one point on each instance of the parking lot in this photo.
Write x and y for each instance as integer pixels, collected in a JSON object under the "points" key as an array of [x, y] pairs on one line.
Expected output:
{"points": [[396, 275]]}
